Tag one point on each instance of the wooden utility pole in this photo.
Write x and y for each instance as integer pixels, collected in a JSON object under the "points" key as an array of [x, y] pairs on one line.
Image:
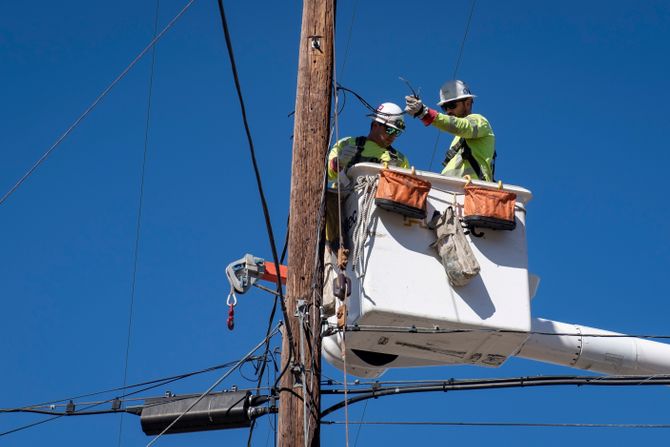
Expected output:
{"points": [[299, 402]]}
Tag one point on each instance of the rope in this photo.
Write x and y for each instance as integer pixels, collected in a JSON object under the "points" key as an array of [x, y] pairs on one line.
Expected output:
{"points": [[367, 187], [95, 102], [346, 390], [139, 213]]}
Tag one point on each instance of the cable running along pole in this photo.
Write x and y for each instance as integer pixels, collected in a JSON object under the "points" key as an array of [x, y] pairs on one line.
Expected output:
{"points": [[310, 145]]}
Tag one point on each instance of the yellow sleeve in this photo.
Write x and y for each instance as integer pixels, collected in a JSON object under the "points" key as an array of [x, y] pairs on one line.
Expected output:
{"points": [[470, 127]]}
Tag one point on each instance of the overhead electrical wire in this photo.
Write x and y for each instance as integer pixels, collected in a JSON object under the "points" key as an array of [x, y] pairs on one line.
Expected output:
{"points": [[351, 27], [83, 412], [437, 330], [95, 102], [456, 67], [500, 424], [148, 385], [375, 392], [252, 152], [138, 225], [214, 385], [259, 183]]}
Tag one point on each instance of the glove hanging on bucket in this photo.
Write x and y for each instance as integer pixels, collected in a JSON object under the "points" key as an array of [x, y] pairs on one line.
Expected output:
{"points": [[454, 249]]}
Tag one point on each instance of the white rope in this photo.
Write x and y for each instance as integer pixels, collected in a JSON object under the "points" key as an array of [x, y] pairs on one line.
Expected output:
{"points": [[367, 186]]}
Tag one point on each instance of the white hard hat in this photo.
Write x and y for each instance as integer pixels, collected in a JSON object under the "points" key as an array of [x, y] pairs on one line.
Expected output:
{"points": [[453, 91], [389, 114]]}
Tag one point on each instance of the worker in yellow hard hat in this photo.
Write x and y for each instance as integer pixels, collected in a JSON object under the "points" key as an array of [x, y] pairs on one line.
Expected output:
{"points": [[387, 124], [472, 151]]}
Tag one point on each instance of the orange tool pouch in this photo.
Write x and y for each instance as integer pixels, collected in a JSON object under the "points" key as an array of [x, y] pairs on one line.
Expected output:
{"points": [[489, 208], [402, 193]]}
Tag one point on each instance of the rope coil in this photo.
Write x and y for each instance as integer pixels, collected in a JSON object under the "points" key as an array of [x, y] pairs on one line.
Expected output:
{"points": [[367, 186]]}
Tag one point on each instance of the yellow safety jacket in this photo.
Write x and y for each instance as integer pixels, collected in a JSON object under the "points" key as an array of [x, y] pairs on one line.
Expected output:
{"points": [[359, 150], [474, 134]]}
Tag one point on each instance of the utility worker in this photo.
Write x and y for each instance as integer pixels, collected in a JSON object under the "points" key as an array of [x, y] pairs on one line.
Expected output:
{"points": [[387, 124], [472, 151]]}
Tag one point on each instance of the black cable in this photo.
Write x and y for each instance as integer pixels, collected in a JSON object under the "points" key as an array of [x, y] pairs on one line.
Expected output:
{"points": [[366, 104], [58, 416], [465, 36], [138, 226], [156, 382], [437, 330], [63, 413], [479, 384], [270, 321], [259, 183], [458, 63], [95, 103], [351, 27], [497, 424]]}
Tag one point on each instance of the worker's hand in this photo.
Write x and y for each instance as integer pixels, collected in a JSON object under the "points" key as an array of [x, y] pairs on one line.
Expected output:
{"points": [[415, 107], [346, 155]]}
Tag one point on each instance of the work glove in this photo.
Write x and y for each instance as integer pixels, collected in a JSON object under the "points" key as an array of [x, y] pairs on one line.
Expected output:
{"points": [[415, 107], [346, 155]]}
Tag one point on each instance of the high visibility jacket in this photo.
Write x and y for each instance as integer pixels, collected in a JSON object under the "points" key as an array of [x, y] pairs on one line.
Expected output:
{"points": [[368, 151], [478, 134]]}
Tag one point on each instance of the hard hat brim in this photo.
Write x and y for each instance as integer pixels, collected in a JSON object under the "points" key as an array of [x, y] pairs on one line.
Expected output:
{"points": [[385, 122], [456, 99]]}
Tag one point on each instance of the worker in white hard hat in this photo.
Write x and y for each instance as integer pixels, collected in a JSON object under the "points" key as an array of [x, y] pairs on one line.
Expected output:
{"points": [[472, 151], [387, 124]]}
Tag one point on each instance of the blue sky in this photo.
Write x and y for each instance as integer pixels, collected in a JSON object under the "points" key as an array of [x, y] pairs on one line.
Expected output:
{"points": [[575, 91]]}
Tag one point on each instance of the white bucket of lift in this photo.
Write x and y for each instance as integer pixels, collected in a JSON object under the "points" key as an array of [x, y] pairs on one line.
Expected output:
{"points": [[402, 284]]}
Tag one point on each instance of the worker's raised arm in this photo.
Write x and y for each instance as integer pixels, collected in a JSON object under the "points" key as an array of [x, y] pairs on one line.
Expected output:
{"points": [[471, 127]]}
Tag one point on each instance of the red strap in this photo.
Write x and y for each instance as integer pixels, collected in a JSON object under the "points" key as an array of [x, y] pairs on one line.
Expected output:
{"points": [[231, 317]]}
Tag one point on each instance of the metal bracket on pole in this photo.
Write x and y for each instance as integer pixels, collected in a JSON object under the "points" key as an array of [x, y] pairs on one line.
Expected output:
{"points": [[316, 42]]}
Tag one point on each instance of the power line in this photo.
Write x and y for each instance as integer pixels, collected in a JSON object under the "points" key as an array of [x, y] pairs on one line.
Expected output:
{"points": [[152, 384], [465, 36], [95, 102], [458, 63], [437, 330], [138, 226], [499, 424], [215, 384], [351, 27], [375, 391], [252, 151]]}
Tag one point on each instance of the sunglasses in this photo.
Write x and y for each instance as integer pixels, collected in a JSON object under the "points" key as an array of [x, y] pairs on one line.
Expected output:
{"points": [[451, 105], [391, 131]]}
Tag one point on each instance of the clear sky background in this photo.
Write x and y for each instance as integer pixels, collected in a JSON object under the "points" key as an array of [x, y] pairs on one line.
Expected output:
{"points": [[577, 93]]}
